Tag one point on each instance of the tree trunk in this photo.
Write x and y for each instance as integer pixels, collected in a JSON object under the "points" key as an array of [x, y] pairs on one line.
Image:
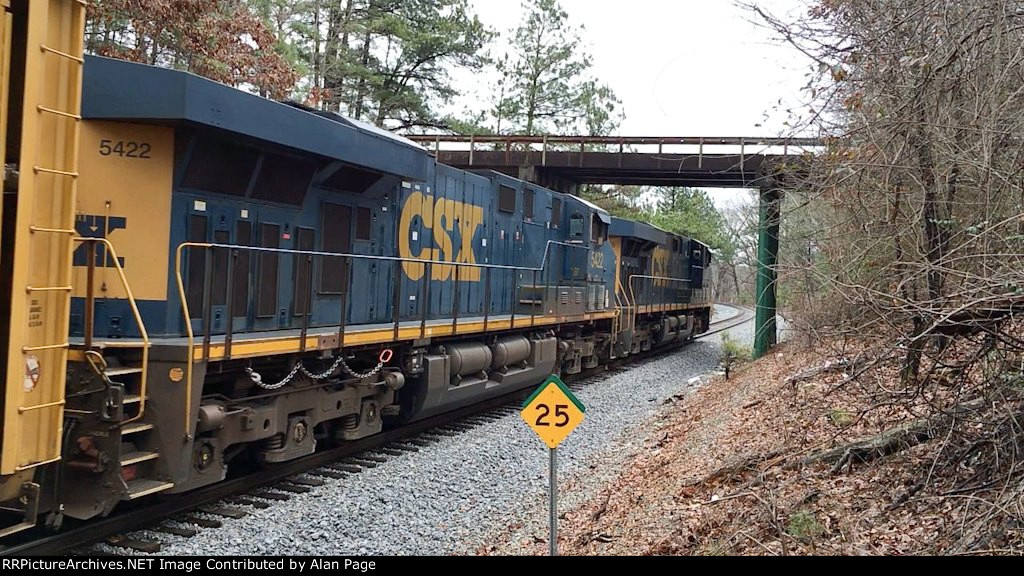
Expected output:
{"points": [[317, 62], [933, 235], [358, 103], [339, 22], [531, 98]]}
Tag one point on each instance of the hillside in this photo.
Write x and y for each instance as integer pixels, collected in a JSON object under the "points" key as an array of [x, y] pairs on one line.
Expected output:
{"points": [[762, 465]]}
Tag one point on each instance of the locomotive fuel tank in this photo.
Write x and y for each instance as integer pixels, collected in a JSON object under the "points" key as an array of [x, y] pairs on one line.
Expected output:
{"points": [[455, 376], [509, 351]]}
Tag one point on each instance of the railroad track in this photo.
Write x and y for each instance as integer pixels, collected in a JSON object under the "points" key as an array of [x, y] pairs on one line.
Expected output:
{"points": [[745, 315], [209, 507]]}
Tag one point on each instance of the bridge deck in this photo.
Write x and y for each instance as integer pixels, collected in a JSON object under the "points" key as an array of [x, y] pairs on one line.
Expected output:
{"points": [[565, 162]]}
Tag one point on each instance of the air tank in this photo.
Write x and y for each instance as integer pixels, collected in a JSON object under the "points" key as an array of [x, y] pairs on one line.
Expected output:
{"points": [[510, 350], [469, 358]]}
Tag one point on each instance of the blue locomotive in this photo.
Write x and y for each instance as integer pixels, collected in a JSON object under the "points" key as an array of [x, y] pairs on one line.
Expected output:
{"points": [[251, 279]]}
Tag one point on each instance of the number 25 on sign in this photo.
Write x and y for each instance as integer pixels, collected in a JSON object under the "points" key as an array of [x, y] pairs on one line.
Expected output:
{"points": [[553, 412]]}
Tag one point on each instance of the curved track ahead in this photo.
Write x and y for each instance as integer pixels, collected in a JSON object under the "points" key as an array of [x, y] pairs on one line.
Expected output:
{"points": [[126, 519], [742, 316]]}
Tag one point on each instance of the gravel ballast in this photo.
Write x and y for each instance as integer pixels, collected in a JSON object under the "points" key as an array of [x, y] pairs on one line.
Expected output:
{"points": [[462, 492]]}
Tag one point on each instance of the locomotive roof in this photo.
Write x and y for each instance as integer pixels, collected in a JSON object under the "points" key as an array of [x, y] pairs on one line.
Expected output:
{"points": [[636, 229], [127, 91]]}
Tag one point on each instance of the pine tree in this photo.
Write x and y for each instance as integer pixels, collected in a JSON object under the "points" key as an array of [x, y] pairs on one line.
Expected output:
{"points": [[388, 61], [546, 84]]}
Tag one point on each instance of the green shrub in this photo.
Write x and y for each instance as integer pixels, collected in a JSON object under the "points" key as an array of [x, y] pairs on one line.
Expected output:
{"points": [[804, 526], [734, 351], [841, 418]]}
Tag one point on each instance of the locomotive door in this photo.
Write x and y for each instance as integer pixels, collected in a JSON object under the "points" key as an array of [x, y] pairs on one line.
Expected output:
{"points": [[372, 284], [572, 266], [335, 237], [208, 269], [241, 273], [504, 255], [697, 260], [219, 282], [464, 231]]}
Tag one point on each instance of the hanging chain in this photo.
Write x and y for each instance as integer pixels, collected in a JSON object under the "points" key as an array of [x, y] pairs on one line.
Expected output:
{"points": [[257, 379]]}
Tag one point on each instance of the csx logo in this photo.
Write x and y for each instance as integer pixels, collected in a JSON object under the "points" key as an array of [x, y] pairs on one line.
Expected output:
{"points": [[445, 223], [661, 266]]}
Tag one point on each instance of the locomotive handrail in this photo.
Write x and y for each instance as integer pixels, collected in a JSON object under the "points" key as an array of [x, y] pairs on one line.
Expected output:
{"points": [[190, 333], [632, 293], [625, 140], [543, 263], [143, 333], [620, 297]]}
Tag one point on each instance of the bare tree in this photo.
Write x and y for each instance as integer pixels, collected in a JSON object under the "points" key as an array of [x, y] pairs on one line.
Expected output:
{"points": [[912, 222]]}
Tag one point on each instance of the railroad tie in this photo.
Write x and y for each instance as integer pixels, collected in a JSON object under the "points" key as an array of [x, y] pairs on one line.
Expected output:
{"points": [[244, 501], [405, 447], [350, 468], [361, 462], [200, 521], [147, 546], [325, 473], [313, 482], [293, 488], [276, 496], [224, 511], [175, 530]]}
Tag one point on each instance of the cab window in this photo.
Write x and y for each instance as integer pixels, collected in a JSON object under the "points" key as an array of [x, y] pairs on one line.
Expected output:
{"points": [[576, 226], [598, 230]]}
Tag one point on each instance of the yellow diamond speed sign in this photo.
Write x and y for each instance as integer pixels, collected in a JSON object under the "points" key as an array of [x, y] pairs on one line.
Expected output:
{"points": [[553, 412]]}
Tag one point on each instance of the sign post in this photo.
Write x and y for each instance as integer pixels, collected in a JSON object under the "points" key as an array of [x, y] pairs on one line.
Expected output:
{"points": [[553, 504], [553, 412]]}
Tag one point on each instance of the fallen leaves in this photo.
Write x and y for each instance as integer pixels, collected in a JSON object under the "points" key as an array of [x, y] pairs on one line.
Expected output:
{"points": [[724, 475]]}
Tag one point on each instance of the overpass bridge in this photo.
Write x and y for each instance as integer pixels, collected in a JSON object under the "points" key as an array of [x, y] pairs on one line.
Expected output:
{"points": [[565, 163]]}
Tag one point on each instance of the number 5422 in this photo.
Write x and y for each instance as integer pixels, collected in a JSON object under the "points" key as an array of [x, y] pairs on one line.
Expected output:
{"points": [[561, 415], [125, 149]]}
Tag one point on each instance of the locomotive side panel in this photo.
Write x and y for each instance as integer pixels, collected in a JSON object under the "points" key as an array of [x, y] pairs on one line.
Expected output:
{"points": [[124, 197]]}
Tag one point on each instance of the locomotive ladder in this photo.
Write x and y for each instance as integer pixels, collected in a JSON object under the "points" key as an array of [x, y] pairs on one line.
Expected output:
{"points": [[67, 201]]}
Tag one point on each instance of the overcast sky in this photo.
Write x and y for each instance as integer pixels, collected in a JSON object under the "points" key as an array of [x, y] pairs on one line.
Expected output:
{"points": [[684, 67]]}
